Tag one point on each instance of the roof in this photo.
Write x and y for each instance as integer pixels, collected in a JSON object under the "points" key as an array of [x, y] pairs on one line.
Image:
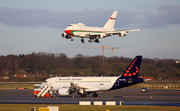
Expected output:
{"points": [[20, 75]]}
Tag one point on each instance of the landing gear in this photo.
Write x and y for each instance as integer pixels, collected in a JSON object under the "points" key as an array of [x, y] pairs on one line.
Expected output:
{"points": [[95, 95], [83, 95], [54, 95], [97, 41], [72, 39], [82, 40], [90, 40]]}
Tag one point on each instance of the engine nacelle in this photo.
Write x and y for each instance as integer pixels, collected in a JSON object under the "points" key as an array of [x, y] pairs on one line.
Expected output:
{"points": [[121, 34], [63, 35], [81, 91], [100, 36], [63, 91], [68, 36]]}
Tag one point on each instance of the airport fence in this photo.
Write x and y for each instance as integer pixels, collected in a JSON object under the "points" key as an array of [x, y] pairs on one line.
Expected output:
{"points": [[172, 86], [161, 86]]}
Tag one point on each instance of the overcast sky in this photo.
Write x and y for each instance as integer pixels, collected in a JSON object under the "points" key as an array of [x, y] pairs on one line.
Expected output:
{"points": [[28, 26]]}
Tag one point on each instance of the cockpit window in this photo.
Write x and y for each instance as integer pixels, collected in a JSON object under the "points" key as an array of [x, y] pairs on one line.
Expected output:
{"points": [[45, 81], [70, 25]]}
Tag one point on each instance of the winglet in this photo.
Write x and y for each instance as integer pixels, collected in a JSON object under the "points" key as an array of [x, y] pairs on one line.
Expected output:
{"points": [[111, 22]]}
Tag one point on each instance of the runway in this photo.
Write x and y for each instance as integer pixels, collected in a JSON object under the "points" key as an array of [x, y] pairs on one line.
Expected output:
{"points": [[128, 96]]}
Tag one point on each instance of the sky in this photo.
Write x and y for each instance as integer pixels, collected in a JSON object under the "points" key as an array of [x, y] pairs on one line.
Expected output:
{"points": [[36, 25]]}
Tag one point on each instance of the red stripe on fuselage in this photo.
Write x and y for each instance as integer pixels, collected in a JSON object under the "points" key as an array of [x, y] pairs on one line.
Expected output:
{"points": [[69, 32]]}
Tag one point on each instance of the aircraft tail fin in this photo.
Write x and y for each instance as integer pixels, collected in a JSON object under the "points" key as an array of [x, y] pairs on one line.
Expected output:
{"points": [[133, 69], [111, 22]]}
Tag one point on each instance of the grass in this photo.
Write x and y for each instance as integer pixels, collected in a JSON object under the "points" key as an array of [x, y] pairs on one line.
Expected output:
{"points": [[12, 86], [27, 107]]}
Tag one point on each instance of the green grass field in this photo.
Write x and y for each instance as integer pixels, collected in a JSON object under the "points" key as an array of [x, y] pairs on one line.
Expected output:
{"points": [[12, 86], [27, 107]]}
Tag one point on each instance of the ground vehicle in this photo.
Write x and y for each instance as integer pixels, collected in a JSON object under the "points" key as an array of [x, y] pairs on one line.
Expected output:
{"points": [[144, 90], [37, 89]]}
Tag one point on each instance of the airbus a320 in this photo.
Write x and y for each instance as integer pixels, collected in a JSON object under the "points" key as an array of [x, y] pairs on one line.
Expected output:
{"points": [[85, 85], [94, 33]]}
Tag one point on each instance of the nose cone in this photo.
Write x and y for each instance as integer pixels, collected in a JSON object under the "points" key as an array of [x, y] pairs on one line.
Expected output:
{"points": [[69, 32]]}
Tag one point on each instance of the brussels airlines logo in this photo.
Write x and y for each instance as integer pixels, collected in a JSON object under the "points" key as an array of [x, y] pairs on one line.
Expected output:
{"points": [[129, 69]]}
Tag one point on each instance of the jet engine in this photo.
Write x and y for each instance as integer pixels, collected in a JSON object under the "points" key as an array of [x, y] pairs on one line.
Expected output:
{"points": [[122, 34], [63, 91], [100, 36], [64, 35]]}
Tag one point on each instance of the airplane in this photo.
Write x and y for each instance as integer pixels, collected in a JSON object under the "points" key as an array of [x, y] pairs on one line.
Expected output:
{"points": [[94, 33], [85, 85]]}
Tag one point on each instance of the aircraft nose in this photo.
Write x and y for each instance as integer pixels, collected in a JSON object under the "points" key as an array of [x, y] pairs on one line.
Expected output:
{"points": [[69, 32]]}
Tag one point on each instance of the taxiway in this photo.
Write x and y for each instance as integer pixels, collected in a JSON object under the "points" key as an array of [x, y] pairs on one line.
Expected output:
{"points": [[128, 96]]}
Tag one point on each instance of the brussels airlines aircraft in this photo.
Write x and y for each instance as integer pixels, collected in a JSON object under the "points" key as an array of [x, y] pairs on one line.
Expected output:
{"points": [[86, 85], [94, 33]]}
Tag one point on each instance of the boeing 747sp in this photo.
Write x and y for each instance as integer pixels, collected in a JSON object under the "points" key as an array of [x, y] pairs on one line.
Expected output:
{"points": [[94, 33]]}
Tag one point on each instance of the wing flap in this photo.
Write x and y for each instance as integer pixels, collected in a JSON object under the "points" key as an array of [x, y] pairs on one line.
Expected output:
{"points": [[88, 89], [122, 31]]}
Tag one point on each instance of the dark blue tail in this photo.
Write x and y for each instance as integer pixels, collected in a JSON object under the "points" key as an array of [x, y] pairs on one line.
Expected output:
{"points": [[130, 75], [133, 69]]}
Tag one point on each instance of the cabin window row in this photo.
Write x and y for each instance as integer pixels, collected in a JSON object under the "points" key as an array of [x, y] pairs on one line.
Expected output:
{"points": [[84, 81]]}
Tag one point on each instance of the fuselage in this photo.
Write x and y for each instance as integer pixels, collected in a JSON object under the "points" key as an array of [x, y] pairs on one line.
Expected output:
{"points": [[101, 83], [94, 33], [86, 85], [80, 30]]}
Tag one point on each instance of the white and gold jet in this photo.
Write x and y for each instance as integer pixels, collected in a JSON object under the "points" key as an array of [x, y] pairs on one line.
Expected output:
{"points": [[94, 33]]}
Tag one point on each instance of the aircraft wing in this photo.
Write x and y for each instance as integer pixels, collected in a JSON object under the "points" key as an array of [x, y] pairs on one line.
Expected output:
{"points": [[94, 34], [80, 87], [77, 86], [108, 33], [122, 31]]}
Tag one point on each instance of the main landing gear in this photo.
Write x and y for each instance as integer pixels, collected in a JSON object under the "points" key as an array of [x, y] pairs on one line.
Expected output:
{"points": [[82, 40], [91, 40], [95, 95], [83, 95], [97, 41]]}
